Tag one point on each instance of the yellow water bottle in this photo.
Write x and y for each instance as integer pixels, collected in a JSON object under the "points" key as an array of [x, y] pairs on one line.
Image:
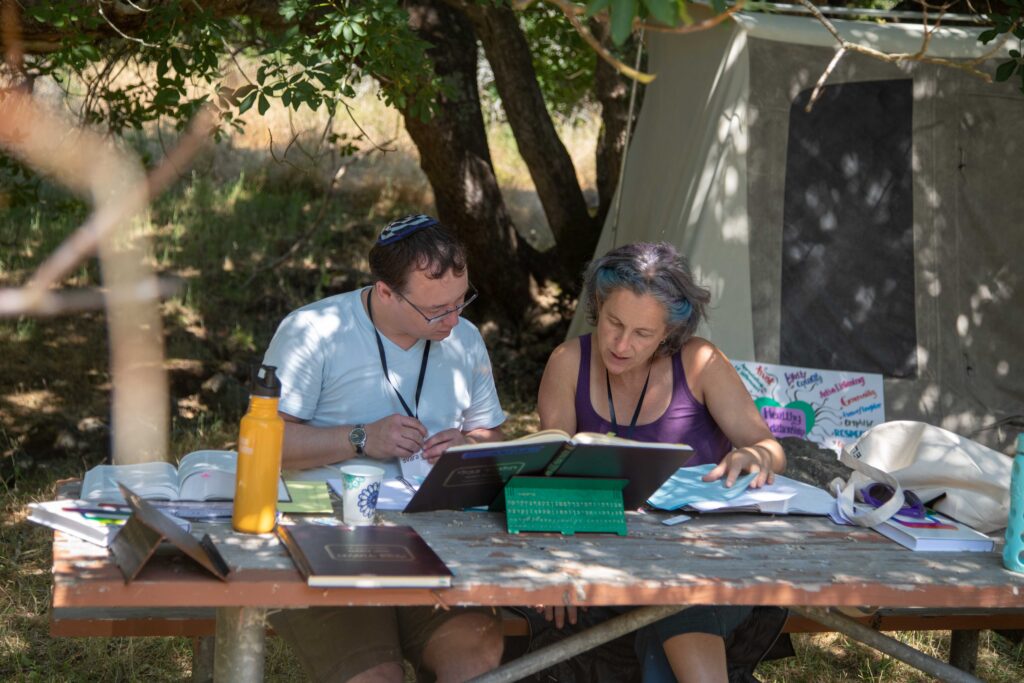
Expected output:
{"points": [[259, 457]]}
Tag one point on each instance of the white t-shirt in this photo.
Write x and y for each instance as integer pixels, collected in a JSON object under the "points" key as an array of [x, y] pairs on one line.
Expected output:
{"points": [[327, 358]]}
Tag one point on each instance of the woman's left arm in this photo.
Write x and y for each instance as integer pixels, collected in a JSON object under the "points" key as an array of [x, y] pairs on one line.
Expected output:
{"points": [[754, 447]]}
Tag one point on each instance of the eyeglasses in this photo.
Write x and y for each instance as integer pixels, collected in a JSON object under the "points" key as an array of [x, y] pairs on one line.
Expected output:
{"points": [[469, 297], [877, 494]]}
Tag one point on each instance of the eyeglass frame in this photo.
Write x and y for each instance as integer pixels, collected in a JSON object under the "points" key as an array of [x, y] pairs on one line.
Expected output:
{"points": [[469, 297], [878, 493]]}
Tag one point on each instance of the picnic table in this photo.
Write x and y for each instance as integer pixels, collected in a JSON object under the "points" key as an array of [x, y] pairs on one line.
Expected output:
{"points": [[806, 563]]}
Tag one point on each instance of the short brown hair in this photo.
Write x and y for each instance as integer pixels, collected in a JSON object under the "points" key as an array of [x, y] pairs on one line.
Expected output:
{"points": [[432, 249]]}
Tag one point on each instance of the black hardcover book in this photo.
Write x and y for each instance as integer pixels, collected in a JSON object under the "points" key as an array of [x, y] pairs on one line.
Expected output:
{"points": [[475, 475], [364, 557]]}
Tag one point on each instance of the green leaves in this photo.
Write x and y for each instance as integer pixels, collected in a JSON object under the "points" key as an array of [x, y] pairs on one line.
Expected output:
{"points": [[986, 37], [596, 6], [1005, 71], [1012, 24], [622, 14], [665, 11]]}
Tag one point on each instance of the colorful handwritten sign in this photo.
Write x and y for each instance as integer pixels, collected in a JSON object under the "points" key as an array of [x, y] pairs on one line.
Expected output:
{"points": [[827, 407], [784, 421]]}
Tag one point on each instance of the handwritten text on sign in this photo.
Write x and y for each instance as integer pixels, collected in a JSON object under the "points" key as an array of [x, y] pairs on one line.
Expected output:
{"points": [[825, 406]]}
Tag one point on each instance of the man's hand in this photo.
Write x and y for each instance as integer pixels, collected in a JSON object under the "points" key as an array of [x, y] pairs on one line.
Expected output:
{"points": [[440, 442], [558, 614], [395, 436], [749, 459]]}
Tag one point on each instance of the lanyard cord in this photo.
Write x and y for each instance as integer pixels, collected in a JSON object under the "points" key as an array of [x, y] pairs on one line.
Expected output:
{"points": [[639, 403], [384, 364]]}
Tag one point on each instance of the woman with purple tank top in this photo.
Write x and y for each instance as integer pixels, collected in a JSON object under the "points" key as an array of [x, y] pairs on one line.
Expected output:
{"points": [[643, 375]]}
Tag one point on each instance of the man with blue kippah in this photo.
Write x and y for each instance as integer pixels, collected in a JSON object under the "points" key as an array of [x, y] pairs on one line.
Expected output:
{"points": [[386, 372]]}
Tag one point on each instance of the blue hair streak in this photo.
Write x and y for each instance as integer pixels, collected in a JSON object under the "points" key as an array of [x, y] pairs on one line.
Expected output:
{"points": [[610, 278]]}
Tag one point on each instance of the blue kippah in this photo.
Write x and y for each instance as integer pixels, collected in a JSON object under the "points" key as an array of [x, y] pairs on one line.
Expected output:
{"points": [[400, 228]]}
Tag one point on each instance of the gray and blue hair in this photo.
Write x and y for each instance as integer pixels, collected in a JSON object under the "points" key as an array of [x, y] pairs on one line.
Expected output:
{"points": [[656, 269]]}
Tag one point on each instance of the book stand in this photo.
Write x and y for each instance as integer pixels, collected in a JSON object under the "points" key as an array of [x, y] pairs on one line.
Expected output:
{"points": [[565, 505], [146, 529]]}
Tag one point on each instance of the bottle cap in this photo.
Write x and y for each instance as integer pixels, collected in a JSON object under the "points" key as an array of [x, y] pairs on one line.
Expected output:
{"points": [[265, 382]]}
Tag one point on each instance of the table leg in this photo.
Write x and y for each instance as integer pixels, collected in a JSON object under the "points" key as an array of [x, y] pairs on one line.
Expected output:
{"points": [[238, 654], [890, 646], [963, 650], [202, 659], [580, 642]]}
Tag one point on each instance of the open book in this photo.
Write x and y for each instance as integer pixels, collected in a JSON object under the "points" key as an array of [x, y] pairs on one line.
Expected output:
{"points": [[474, 475], [200, 475]]}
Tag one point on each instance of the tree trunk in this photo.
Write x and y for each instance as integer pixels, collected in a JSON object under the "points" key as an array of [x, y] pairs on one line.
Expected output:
{"points": [[548, 161], [612, 90], [457, 161]]}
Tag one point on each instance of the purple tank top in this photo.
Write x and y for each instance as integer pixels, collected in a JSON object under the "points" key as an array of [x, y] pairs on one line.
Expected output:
{"points": [[686, 420]]}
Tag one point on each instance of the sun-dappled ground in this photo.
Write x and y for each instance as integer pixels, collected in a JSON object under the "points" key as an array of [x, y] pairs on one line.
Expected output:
{"points": [[251, 238]]}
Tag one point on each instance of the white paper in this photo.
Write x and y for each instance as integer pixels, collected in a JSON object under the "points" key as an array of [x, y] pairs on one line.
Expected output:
{"points": [[415, 468], [394, 494], [784, 496]]}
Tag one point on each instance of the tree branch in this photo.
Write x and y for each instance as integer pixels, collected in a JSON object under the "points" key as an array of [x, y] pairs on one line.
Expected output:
{"points": [[970, 66], [570, 12]]}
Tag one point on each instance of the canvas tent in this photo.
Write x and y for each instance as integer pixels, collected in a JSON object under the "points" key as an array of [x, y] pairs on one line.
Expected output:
{"points": [[879, 233]]}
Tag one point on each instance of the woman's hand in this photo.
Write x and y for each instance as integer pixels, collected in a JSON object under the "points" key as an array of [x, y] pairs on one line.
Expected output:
{"points": [[748, 459]]}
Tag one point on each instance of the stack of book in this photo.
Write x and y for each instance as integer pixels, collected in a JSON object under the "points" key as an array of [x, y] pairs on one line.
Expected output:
{"points": [[93, 522], [934, 533]]}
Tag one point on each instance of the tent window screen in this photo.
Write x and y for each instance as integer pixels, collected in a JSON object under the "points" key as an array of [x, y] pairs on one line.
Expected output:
{"points": [[848, 241]]}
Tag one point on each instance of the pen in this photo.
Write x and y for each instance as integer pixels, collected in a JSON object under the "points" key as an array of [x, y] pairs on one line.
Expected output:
{"points": [[405, 481]]}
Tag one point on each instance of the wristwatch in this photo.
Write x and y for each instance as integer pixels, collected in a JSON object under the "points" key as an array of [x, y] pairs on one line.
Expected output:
{"points": [[357, 437]]}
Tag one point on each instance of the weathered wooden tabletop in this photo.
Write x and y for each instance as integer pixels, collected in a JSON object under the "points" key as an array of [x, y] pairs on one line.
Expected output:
{"points": [[720, 559]]}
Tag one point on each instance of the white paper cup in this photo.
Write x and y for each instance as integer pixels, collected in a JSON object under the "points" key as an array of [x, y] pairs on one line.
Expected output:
{"points": [[360, 486]]}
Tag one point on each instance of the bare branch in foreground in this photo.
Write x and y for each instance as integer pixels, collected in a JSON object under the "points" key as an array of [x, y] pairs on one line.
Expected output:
{"points": [[89, 164], [819, 86], [15, 303]]}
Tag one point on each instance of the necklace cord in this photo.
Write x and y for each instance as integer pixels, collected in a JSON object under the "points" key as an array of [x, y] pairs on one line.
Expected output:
{"points": [[384, 363]]}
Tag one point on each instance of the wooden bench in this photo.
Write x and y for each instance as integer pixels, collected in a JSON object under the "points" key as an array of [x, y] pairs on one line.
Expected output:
{"points": [[199, 624]]}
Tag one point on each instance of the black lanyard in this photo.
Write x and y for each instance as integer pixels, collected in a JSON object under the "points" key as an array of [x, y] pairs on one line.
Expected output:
{"points": [[384, 363], [639, 403]]}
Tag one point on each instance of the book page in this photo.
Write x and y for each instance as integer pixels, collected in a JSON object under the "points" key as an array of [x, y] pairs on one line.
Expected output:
{"points": [[611, 440], [210, 475], [157, 480], [544, 436], [207, 475]]}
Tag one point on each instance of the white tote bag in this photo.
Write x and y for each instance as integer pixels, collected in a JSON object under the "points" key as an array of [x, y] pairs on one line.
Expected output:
{"points": [[929, 461]]}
